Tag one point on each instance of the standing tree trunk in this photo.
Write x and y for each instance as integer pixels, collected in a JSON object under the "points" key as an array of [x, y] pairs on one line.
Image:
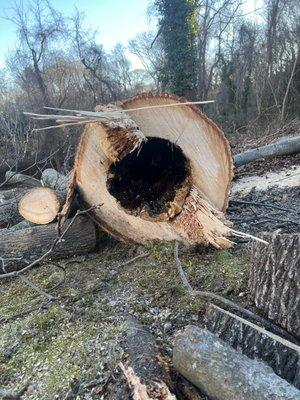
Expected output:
{"points": [[275, 279]]}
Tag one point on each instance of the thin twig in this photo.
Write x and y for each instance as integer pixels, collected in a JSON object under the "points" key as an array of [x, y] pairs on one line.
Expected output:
{"points": [[132, 260], [40, 291]]}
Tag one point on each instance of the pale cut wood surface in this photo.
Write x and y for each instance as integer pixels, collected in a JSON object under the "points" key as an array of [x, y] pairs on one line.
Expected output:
{"points": [[40, 205]]}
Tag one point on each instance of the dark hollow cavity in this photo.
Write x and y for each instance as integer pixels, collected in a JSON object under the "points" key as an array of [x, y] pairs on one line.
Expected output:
{"points": [[148, 177]]}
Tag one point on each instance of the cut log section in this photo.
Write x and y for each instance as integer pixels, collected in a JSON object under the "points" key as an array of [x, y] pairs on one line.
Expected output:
{"points": [[255, 342], [161, 173], [223, 373], [20, 247], [282, 147], [40, 205], [274, 281]]}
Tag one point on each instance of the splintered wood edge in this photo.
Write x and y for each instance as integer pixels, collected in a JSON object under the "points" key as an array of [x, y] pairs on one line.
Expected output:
{"points": [[43, 217], [219, 131]]}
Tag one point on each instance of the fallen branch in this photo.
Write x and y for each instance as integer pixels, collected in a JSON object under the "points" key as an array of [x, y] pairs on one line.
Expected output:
{"points": [[223, 373], [282, 147]]}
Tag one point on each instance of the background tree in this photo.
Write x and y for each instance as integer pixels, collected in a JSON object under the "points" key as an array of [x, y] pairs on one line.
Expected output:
{"points": [[178, 22]]}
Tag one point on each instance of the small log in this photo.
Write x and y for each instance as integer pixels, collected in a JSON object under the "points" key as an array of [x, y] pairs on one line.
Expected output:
{"points": [[9, 200], [55, 180], [274, 279], [26, 245], [280, 148], [255, 342], [40, 205], [143, 363], [222, 373], [13, 178]]}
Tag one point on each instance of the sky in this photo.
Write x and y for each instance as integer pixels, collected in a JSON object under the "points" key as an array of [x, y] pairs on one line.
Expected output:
{"points": [[116, 21]]}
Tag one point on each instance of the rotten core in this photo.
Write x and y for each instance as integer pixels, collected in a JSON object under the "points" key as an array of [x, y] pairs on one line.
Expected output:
{"points": [[148, 177]]}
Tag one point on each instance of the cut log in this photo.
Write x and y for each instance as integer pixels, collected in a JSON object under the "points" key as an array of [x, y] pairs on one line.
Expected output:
{"points": [[161, 173], [19, 247], [280, 148], [13, 178], [40, 205], [54, 180], [274, 281], [143, 363], [9, 200], [255, 342], [222, 373]]}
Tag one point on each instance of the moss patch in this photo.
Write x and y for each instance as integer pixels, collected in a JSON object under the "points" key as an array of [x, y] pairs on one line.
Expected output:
{"points": [[79, 336]]}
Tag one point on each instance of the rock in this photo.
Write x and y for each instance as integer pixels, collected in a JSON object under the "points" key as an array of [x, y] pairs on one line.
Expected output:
{"points": [[222, 373]]}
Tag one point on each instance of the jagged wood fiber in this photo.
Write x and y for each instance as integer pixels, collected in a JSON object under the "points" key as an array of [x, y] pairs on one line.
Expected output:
{"points": [[195, 214]]}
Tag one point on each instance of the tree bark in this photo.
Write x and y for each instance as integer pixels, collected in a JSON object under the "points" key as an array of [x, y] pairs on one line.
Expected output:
{"points": [[222, 373], [31, 243], [280, 148], [9, 200], [13, 178], [55, 180], [256, 342], [274, 281]]}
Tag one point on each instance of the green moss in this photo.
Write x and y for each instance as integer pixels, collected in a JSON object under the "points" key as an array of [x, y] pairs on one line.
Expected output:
{"points": [[79, 336]]}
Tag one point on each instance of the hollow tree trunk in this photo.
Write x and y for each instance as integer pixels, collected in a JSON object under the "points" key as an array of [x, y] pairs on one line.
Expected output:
{"points": [[279, 148], [17, 246], [275, 279], [161, 173]]}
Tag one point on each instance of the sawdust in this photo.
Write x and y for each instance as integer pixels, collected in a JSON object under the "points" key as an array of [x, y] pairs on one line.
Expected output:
{"points": [[285, 178]]}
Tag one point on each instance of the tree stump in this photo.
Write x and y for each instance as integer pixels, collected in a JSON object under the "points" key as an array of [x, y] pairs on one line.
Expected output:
{"points": [[274, 281]]}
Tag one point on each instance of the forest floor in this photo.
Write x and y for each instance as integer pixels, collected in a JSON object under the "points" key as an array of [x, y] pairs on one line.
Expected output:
{"points": [[72, 346], [78, 338]]}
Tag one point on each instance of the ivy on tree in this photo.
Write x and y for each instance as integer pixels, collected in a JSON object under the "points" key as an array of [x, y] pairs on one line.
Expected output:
{"points": [[179, 28]]}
